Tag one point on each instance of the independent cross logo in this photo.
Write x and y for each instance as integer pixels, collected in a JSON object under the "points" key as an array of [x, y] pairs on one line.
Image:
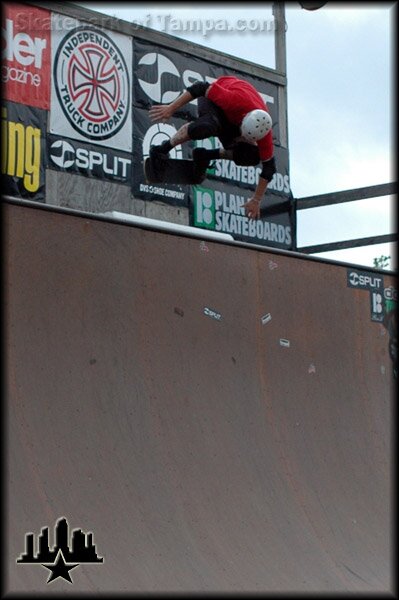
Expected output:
{"points": [[61, 558], [92, 83]]}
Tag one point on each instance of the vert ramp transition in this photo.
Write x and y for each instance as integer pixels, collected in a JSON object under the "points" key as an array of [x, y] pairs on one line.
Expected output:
{"points": [[219, 417]]}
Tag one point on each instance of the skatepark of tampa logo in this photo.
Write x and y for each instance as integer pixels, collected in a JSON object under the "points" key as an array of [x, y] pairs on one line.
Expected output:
{"points": [[92, 83], [60, 559]]}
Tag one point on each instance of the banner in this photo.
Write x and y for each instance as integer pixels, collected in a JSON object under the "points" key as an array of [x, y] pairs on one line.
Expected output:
{"points": [[145, 134], [220, 208], [91, 84], [23, 152], [86, 159], [160, 76], [26, 54]]}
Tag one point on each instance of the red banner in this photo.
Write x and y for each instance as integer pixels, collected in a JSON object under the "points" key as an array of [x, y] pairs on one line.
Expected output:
{"points": [[26, 54]]}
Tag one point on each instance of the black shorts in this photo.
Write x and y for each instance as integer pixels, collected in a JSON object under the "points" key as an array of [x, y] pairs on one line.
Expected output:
{"points": [[212, 122]]}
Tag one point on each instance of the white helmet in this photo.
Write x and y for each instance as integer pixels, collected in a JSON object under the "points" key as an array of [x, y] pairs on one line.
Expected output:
{"points": [[256, 124]]}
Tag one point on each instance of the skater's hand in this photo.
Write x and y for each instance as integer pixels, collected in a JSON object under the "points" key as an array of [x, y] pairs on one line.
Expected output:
{"points": [[252, 208], [161, 113]]}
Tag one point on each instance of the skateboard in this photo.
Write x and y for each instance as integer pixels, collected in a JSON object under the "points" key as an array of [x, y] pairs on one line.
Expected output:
{"points": [[173, 170]]}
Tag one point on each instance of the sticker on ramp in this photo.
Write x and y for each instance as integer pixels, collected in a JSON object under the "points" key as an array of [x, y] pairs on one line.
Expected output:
{"points": [[272, 265], [364, 280], [209, 312], [266, 318]]}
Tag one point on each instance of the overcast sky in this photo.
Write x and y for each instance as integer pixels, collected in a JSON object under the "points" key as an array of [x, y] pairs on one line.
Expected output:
{"points": [[340, 62]]}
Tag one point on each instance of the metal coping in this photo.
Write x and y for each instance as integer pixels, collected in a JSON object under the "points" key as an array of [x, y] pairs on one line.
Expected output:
{"points": [[151, 225]]}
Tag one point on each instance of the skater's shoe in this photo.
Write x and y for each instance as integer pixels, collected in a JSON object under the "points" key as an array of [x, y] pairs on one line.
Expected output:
{"points": [[161, 150], [202, 158]]}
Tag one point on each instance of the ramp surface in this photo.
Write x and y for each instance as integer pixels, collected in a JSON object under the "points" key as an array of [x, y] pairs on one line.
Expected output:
{"points": [[218, 417]]}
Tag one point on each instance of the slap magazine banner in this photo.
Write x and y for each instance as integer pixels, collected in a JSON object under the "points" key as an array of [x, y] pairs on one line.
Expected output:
{"points": [[91, 84], [160, 76], [26, 54]]}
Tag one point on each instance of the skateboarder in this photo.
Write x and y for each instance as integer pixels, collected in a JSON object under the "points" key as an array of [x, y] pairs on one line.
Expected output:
{"points": [[233, 110]]}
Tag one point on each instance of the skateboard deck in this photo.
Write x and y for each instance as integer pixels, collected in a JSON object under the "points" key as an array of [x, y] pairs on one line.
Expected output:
{"points": [[173, 170]]}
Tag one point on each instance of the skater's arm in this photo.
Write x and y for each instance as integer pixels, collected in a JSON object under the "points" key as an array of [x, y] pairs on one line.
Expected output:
{"points": [[164, 112], [252, 207]]}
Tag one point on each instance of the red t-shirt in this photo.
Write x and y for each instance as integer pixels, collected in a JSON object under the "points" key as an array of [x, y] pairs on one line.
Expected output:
{"points": [[237, 98]]}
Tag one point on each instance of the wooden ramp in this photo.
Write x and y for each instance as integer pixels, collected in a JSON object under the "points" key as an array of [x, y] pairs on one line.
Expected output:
{"points": [[219, 417]]}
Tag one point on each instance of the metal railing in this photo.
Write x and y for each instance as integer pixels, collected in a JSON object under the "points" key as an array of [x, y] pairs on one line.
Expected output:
{"points": [[374, 191]]}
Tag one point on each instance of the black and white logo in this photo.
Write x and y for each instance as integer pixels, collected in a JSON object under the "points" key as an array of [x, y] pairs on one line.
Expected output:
{"points": [[60, 558], [62, 154], [377, 306], [92, 83], [363, 280], [158, 133], [162, 73], [77, 157]]}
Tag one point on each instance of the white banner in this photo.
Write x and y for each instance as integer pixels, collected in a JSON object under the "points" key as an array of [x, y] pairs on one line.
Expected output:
{"points": [[91, 84]]}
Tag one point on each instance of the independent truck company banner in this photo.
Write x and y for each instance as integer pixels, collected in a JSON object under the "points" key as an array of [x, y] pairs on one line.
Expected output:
{"points": [[91, 84], [160, 76]]}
